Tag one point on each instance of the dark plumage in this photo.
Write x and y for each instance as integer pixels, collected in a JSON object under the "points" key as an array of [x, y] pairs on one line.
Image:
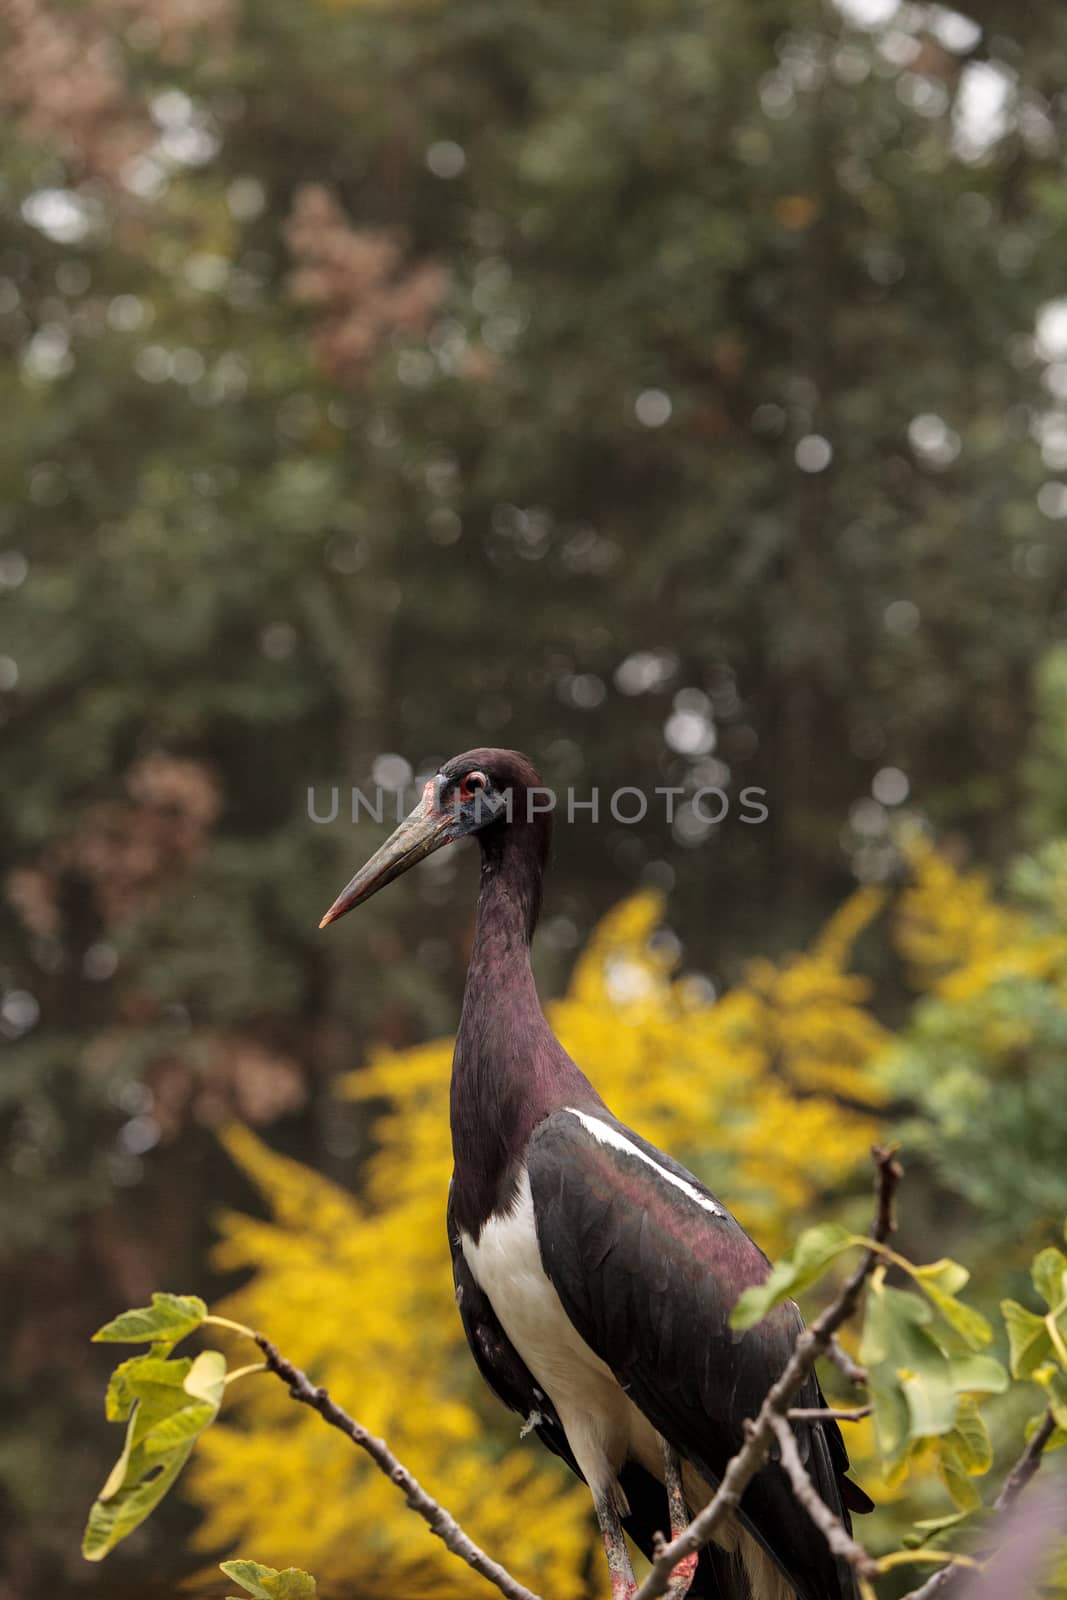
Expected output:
{"points": [[594, 1274]]}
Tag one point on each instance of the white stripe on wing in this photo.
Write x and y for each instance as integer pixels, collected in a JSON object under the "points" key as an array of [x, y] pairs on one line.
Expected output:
{"points": [[606, 1134]]}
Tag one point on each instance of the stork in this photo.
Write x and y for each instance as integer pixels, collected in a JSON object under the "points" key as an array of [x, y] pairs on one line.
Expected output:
{"points": [[594, 1274]]}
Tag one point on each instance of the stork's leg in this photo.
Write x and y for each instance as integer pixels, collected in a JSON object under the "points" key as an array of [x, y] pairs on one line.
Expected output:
{"points": [[623, 1582], [683, 1573]]}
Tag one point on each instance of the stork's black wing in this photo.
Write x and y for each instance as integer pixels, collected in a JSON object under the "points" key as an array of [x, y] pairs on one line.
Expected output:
{"points": [[512, 1382], [648, 1265]]}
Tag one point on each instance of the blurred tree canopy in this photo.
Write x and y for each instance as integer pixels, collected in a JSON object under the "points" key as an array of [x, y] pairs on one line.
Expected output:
{"points": [[675, 391]]}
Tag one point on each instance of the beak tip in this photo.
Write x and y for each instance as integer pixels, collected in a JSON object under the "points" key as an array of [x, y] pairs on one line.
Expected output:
{"points": [[417, 836]]}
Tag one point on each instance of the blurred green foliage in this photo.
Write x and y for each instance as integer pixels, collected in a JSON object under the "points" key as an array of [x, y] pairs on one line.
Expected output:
{"points": [[982, 1063], [676, 392]]}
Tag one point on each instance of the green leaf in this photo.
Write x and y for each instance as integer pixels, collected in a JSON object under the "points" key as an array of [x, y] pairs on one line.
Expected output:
{"points": [[971, 1326], [153, 1388], [932, 1527], [907, 1372], [970, 1438], [250, 1575], [111, 1520], [1049, 1273], [878, 1344], [931, 1400], [292, 1584], [170, 1317], [1054, 1382], [119, 1472], [978, 1375], [120, 1399], [157, 1388], [182, 1423], [1028, 1338], [955, 1477], [266, 1583], [916, 1388], [206, 1379], [802, 1266], [169, 1404], [949, 1277], [122, 1385], [940, 1281]]}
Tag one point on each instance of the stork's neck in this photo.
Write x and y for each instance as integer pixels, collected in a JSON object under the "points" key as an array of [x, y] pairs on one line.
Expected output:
{"points": [[509, 1070]]}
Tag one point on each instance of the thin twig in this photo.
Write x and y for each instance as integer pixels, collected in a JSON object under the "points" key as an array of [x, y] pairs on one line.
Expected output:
{"points": [[836, 1352], [832, 1528], [1027, 1464], [936, 1584], [1013, 1486], [439, 1521], [827, 1414], [811, 1343]]}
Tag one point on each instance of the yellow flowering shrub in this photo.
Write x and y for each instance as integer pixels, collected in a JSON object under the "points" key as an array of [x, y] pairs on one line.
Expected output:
{"points": [[359, 1292], [957, 939]]}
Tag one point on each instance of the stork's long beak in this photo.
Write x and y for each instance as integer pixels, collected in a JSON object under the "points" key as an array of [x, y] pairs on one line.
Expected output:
{"points": [[422, 832]]}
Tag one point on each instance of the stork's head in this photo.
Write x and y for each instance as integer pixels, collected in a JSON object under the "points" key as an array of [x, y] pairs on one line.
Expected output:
{"points": [[482, 792]]}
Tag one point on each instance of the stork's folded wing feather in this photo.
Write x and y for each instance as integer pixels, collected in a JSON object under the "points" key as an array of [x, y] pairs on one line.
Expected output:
{"points": [[648, 1265]]}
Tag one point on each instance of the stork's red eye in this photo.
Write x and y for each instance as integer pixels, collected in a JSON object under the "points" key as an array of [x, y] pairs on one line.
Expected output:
{"points": [[473, 781]]}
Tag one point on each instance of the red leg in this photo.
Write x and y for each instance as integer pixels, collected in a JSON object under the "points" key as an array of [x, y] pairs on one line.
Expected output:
{"points": [[623, 1582], [684, 1572]]}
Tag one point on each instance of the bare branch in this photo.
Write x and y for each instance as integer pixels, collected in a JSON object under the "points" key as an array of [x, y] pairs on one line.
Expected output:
{"points": [[833, 1529], [1014, 1484], [844, 1363], [937, 1584], [1027, 1464], [439, 1521], [811, 1343], [827, 1414]]}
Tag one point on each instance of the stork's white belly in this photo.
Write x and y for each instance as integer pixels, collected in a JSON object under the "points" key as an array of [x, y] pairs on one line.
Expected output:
{"points": [[602, 1424]]}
